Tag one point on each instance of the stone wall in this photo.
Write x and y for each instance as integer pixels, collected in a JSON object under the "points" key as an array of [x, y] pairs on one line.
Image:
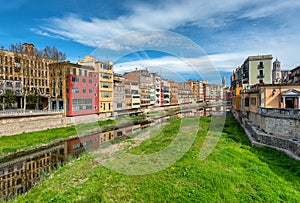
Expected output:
{"points": [[276, 125], [258, 136], [291, 145], [21, 124]]}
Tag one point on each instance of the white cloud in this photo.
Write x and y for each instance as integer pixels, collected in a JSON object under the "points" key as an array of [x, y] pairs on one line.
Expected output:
{"points": [[168, 15]]}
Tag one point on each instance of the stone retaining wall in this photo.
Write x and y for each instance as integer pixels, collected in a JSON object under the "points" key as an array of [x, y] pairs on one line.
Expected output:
{"points": [[18, 125], [255, 126], [276, 125]]}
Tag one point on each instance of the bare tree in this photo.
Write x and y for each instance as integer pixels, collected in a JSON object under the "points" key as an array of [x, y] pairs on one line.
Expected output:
{"points": [[54, 53]]}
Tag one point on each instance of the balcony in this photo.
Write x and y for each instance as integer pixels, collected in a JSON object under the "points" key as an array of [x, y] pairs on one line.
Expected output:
{"points": [[260, 76], [260, 67]]}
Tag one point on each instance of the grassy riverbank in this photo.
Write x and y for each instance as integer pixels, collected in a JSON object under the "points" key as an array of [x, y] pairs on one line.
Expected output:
{"points": [[26, 140], [233, 172]]}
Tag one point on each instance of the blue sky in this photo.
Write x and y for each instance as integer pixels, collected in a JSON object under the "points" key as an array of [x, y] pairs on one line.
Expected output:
{"points": [[227, 31]]}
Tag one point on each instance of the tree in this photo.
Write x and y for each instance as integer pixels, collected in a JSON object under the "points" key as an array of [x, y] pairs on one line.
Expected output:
{"points": [[9, 98], [53, 53]]}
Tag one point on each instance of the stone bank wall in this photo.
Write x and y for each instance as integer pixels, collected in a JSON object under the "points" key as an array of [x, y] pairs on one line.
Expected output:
{"points": [[17, 125], [277, 125]]}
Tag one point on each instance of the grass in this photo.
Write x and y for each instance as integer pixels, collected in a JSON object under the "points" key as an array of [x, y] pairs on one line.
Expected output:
{"points": [[233, 172], [26, 140]]}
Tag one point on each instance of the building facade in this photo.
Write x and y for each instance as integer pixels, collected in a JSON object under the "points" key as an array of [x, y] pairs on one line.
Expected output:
{"points": [[74, 88], [105, 71], [25, 71]]}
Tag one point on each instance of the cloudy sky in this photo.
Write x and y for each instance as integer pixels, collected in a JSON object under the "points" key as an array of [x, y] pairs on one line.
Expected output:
{"points": [[226, 31]]}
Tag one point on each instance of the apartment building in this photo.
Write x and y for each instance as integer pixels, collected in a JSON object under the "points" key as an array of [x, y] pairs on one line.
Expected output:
{"points": [[294, 76], [132, 96], [119, 93], [185, 93], [198, 89], [74, 88], [173, 93], [105, 71], [143, 77], [165, 92], [25, 73], [156, 80]]}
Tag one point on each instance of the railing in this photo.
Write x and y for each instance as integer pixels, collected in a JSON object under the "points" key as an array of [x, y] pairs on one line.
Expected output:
{"points": [[21, 112], [292, 113], [261, 76]]}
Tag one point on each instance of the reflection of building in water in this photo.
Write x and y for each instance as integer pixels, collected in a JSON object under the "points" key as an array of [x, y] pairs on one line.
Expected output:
{"points": [[87, 143], [126, 131], [106, 136], [19, 175]]}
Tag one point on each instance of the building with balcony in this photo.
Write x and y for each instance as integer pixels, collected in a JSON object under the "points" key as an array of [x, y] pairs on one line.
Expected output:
{"points": [[143, 77], [156, 80], [165, 92], [132, 96], [105, 71], [74, 88], [185, 93], [25, 71], [256, 69], [119, 93], [173, 93], [294, 76]]}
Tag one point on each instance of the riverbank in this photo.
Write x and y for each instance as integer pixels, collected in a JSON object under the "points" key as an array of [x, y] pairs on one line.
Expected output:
{"points": [[32, 140], [234, 172]]}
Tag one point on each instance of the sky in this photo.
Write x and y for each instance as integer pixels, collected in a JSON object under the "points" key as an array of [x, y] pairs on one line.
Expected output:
{"points": [[192, 38]]}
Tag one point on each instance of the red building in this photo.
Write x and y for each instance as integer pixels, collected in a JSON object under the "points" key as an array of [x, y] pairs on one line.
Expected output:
{"points": [[74, 88], [82, 93]]}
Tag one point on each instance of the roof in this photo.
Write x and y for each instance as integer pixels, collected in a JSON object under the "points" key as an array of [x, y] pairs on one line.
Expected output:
{"points": [[295, 69], [291, 92]]}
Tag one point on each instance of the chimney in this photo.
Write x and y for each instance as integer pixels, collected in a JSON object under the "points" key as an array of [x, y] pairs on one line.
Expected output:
{"points": [[28, 49]]}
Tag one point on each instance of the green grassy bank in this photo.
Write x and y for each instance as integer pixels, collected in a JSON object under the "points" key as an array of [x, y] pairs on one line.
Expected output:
{"points": [[233, 172], [26, 140]]}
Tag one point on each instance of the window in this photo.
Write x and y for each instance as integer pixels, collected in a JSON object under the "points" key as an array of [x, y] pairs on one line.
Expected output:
{"points": [[106, 67], [106, 94], [82, 104], [75, 79], [106, 76], [134, 91], [106, 85], [261, 64], [75, 90], [90, 81], [83, 80], [85, 73], [74, 71], [253, 101], [90, 90], [83, 90], [80, 72], [246, 101], [95, 75]]}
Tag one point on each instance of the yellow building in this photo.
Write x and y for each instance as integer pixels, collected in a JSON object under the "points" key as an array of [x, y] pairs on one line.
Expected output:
{"points": [[236, 97], [270, 96], [28, 70]]}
